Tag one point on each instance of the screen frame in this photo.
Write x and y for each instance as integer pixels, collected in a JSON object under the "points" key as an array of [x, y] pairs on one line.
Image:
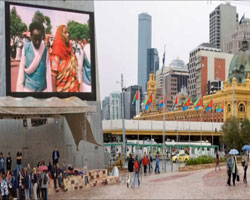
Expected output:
{"points": [[89, 96]]}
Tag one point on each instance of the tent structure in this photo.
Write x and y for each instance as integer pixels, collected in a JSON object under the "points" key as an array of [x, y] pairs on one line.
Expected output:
{"points": [[73, 108]]}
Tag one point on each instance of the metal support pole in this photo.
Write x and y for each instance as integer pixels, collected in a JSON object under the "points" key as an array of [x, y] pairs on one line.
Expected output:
{"points": [[123, 125]]}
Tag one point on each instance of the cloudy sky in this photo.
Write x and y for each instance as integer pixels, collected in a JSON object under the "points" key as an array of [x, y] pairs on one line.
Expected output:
{"points": [[181, 25]]}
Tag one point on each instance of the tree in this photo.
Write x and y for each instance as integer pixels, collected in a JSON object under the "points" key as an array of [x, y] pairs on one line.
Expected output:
{"points": [[17, 27], [40, 18], [232, 133], [245, 131], [78, 31]]}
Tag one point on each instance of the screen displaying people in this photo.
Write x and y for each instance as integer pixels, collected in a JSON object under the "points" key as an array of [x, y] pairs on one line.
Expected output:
{"points": [[49, 50]]}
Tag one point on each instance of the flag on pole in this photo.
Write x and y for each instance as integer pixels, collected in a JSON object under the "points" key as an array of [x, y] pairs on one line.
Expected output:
{"points": [[209, 105], [148, 102], [198, 103], [161, 103], [186, 104], [220, 107], [175, 101], [136, 97]]}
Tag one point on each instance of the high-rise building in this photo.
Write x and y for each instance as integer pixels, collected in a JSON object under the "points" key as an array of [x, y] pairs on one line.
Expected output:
{"points": [[106, 108], [233, 44], [175, 78], [152, 61], [222, 23], [144, 43], [115, 105], [130, 109], [206, 63]]}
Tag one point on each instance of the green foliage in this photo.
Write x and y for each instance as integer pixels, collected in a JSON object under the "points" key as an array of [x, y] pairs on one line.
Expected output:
{"points": [[78, 31], [200, 160], [40, 18], [16, 24], [236, 133]]}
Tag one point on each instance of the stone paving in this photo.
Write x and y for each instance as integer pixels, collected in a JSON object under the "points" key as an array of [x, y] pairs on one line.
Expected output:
{"points": [[202, 184]]}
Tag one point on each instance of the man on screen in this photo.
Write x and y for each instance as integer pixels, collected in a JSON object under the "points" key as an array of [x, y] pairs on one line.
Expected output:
{"points": [[34, 73]]}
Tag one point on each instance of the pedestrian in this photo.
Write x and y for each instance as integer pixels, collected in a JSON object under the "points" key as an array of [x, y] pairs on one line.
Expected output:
{"points": [[136, 171], [229, 169], [56, 176], [150, 161], [157, 168], [145, 162], [245, 165], [44, 185], [55, 156], [217, 160], [21, 183], [8, 162], [19, 157], [130, 170], [34, 182], [4, 188], [234, 169], [27, 183], [2, 163]]}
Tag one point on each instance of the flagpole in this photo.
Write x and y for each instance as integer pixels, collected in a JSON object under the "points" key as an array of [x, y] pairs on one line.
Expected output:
{"points": [[189, 127], [163, 113], [138, 138]]}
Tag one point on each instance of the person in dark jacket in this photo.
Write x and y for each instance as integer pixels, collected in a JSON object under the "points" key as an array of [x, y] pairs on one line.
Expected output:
{"points": [[27, 183], [8, 162], [55, 156], [229, 169], [130, 170]]}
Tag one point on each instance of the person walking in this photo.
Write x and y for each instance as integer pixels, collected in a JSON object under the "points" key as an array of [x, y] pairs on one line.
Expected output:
{"points": [[136, 171], [245, 165], [229, 169], [150, 161], [8, 162], [157, 169], [130, 170], [234, 169], [217, 160], [145, 162]]}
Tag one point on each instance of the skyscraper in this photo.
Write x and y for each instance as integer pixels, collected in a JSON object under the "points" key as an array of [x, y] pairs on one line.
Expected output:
{"points": [[152, 61], [115, 105], [222, 23], [130, 109], [144, 43], [106, 108]]}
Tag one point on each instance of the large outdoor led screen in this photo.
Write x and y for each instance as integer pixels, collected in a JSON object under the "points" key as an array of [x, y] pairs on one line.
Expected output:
{"points": [[50, 52]]}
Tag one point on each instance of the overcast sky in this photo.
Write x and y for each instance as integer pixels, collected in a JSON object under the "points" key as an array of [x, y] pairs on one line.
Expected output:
{"points": [[181, 25]]}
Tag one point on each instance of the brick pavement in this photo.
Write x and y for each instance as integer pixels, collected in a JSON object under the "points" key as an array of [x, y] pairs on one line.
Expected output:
{"points": [[202, 184]]}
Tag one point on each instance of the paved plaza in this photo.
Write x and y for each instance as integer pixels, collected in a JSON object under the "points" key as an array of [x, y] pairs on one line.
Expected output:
{"points": [[202, 184]]}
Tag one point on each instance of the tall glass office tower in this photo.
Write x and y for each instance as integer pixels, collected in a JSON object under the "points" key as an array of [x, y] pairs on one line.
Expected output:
{"points": [[144, 43]]}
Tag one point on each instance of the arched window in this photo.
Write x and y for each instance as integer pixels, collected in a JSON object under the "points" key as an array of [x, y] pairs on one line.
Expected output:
{"points": [[229, 108], [241, 108]]}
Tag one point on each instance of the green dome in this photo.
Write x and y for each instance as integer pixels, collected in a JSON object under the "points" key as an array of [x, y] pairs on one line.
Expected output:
{"points": [[240, 64]]}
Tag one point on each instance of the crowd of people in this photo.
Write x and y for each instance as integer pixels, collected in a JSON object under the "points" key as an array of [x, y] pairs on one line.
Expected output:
{"points": [[136, 164], [52, 64], [27, 182]]}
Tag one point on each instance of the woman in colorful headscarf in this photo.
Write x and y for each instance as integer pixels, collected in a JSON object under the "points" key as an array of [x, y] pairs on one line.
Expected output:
{"points": [[63, 63]]}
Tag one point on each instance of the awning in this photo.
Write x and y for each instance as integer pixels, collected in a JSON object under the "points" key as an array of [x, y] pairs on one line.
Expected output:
{"points": [[72, 108], [50, 106]]}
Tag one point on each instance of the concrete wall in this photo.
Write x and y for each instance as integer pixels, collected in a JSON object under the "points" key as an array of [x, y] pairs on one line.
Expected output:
{"points": [[37, 143]]}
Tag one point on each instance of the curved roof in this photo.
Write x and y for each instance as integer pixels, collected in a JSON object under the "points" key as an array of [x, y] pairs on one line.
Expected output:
{"points": [[240, 64]]}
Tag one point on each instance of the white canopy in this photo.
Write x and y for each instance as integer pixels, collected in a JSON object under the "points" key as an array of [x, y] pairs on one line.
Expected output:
{"points": [[72, 108]]}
